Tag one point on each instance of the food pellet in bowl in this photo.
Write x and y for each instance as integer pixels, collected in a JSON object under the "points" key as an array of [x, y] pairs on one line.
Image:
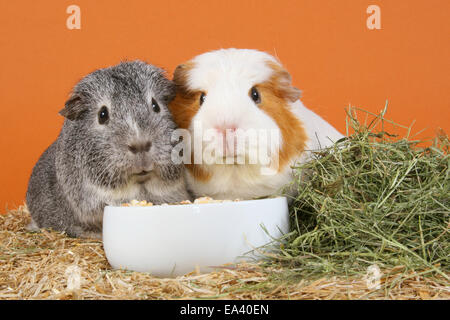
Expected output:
{"points": [[210, 200], [137, 203], [201, 200]]}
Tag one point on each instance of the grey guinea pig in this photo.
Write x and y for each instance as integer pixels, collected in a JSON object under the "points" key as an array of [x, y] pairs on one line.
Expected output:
{"points": [[114, 146]]}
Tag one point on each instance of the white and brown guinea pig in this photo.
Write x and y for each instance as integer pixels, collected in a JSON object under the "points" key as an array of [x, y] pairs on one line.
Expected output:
{"points": [[232, 89]]}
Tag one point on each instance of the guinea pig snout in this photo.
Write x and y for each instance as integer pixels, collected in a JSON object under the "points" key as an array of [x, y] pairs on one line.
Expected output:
{"points": [[139, 146], [223, 130], [140, 160], [226, 135]]}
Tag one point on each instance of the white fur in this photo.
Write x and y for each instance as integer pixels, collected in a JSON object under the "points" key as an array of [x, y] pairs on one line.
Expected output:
{"points": [[320, 133], [226, 77]]}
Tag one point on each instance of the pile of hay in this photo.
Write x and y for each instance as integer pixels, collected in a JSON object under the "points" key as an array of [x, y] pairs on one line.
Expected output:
{"points": [[370, 222], [371, 200]]}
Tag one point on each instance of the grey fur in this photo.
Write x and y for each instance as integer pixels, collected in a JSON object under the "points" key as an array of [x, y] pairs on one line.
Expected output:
{"points": [[90, 165]]}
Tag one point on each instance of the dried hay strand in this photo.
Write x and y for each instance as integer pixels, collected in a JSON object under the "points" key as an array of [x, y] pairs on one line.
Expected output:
{"points": [[49, 265]]}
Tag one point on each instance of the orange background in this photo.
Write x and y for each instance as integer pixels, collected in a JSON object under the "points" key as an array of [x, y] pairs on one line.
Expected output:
{"points": [[325, 44]]}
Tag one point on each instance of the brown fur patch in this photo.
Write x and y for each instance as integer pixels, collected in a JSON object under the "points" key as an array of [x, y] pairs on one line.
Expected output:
{"points": [[281, 83], [186, 102], [183, 108], [199, 172], [276, 93]]}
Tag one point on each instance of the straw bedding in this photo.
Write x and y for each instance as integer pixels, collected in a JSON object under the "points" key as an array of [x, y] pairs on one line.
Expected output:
{"points": [[49, 265]]}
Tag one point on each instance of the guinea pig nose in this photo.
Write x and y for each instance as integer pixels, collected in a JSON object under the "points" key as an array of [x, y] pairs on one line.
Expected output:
{"points": [[223, 129], [140, 147]]}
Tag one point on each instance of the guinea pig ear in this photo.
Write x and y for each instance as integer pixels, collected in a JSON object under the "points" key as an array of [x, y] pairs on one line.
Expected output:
{"points": [[73, 108], [282, 83], [181, 76]]}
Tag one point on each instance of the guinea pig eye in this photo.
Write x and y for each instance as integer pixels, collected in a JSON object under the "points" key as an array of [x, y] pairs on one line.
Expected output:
{"points": [[155, 106], [103, 115], [202, 98], [254, 94]]}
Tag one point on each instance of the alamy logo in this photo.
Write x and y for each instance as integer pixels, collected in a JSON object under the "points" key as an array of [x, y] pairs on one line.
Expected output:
{"points": [[374, 20], [74, 19], [373, 277]]}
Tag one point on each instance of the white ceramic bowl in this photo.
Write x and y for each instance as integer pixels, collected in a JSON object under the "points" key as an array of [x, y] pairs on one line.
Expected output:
{"points": [[173, 240]]}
